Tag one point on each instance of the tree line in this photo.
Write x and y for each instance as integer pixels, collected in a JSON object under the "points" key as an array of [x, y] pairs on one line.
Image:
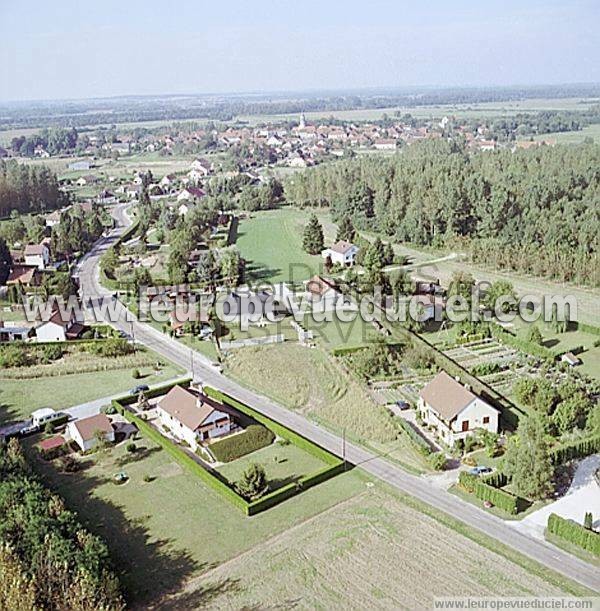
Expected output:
{"points": [[532, 211], [47, 559], [28, 189]]}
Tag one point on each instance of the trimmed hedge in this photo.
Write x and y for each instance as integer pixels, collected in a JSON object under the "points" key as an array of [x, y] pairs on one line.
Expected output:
{"points": [[421, 444], [496, 496], [582, 326], [575, 449], [574, 533], [497, 479], [213, 478], [253, 438]]}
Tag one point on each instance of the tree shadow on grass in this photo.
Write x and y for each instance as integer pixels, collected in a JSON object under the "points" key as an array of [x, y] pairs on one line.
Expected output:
{"points": [[150, 570], [8, 413], [140, 454], [257, 271]]}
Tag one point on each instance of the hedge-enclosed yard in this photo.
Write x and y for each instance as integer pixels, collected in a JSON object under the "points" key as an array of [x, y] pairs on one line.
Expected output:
{"points": [[211, 477], [496, 496]]}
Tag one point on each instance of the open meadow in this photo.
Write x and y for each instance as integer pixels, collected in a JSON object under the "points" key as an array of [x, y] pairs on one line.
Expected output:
{"points": [[271, 242]]}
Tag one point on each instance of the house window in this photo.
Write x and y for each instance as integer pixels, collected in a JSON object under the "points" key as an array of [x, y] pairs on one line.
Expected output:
{"points": [[486, 420], [465, 425]]}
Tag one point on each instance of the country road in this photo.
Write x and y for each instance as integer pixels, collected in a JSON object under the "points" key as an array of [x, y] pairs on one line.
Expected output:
{"points": [[378, 467]]}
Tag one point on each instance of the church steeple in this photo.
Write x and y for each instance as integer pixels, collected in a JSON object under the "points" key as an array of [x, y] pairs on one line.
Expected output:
{"points": [[302, 121]]}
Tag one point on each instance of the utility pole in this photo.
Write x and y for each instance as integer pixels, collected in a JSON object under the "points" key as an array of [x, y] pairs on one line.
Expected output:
{"points": [[344, 446]]}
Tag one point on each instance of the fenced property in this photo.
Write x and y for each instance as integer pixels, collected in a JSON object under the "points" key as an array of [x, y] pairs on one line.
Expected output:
{"points": [[211, 477]]}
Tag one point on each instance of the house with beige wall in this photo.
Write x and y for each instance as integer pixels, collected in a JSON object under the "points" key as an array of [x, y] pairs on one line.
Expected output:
{"points": [[454, 411]]}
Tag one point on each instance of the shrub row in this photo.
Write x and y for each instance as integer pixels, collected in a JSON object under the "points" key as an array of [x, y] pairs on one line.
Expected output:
{"points": [[497, 479], [581, 326], [575, 449], [516, 342], [499, 498], [421, 444], [253, 438], [574, 533]]}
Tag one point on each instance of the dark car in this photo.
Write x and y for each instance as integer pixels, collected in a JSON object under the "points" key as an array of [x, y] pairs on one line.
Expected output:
{"points": [[403, 405], [138, 389]]}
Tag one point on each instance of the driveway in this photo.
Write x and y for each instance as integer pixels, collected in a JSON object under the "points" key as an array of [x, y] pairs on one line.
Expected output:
{"points": [[582, 496]]}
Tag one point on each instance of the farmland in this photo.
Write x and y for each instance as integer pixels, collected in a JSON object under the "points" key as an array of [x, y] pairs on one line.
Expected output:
{"points": [[336, 560]]}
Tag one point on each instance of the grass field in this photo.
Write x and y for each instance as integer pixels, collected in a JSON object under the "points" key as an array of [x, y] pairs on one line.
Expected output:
{"points": [[576, 137], [283, 464], [307, 380], [271, 242], [371, 552], [18, 398], [164, 532]]}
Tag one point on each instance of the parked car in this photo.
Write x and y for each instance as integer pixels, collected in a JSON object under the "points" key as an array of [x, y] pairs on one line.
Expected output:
{"points": [[403, 405], [138, 389], [480, 470]]}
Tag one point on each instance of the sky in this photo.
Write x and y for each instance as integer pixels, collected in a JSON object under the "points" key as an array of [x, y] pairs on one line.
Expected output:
{"points": [[73, 49]]}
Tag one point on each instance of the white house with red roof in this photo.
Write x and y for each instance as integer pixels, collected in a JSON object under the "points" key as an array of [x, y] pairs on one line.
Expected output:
{"points": [[37, 254], [88, 431]]}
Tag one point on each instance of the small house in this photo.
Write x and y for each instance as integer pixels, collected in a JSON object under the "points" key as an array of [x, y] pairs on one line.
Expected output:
{"points": [[88, 431], [342, 253]]}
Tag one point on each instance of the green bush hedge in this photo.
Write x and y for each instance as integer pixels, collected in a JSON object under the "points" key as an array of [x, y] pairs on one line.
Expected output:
{"points": [[496, 479], [581, 326], [574, 533], [575, 449], [253, 438], [420, 444], [499, 498]]}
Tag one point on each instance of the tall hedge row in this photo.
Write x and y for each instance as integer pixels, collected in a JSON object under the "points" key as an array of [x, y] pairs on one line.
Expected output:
{"points": [[253, 438], [575, 449], [574, 533], [516, 342], [496, 496]]}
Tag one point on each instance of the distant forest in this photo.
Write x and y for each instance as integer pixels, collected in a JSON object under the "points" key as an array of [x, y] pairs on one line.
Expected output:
{"points": [[110, 111], [28, 189], [533, 211]]}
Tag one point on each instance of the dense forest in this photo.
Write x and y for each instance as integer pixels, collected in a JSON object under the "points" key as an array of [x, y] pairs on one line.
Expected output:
{"points": [[47, 559], [28, 189], [534, 211]]}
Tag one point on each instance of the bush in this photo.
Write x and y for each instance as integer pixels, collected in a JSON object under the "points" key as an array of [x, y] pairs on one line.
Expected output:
{"points": [[253, 438], [420, 444], [51, 353], [148, 478], [253, 483], [135, 374], [131, 448], [574, 533], [49, 428], [111, 347], [438, 461], [109, 410], [68, 464]]}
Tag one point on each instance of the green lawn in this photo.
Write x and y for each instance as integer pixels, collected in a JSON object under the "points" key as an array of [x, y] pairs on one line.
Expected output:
{"points": [[283, 464], [163, 532], [18, 398], [271, 242]]}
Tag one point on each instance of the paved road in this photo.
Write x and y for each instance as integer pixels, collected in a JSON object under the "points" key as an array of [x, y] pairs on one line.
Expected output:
{"points": [[418, 487]]}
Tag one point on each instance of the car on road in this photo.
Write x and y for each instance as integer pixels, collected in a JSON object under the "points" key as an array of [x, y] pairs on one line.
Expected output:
{"points": [[480, 470], [138, 389]]}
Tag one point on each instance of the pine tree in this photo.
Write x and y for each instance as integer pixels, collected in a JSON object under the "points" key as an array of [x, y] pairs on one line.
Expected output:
{"points": [[5, 262], [312, 240], [345, 230], [588, 521], [253, 483]]}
